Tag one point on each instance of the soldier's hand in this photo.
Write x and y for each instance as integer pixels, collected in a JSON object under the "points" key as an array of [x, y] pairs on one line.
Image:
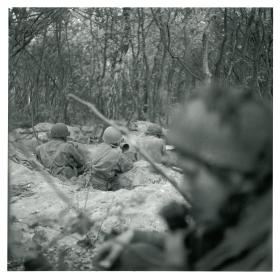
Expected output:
{"points": [[176, 253], [109, 253], [112, 249]]}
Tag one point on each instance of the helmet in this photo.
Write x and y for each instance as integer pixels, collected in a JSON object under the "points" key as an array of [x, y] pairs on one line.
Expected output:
{"points": [[59, 130], [154, 130], [111, 135], [229, 129]]}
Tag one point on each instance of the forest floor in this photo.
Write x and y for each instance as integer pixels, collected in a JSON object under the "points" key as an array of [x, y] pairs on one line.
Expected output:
{"points": [[41, 225]]}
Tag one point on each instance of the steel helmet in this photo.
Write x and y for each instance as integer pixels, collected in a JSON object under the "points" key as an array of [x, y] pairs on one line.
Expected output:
{"points": [[111, 135], [59, 130], [228, 128], [154, 130]]}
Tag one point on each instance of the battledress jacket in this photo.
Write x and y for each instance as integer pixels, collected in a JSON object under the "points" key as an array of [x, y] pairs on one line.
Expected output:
{"points": [[154, 147], [107, 162], [60, 157]]}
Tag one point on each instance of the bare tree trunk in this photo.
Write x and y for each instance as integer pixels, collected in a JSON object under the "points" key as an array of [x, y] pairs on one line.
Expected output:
{"points": [[205, 67], [146, 85], [100, 80], [258, 36], [61, 70], [34, 101], [218, 65]]}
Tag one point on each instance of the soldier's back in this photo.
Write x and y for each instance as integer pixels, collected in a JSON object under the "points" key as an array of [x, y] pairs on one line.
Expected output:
{"points": [[105, 160], [153, 146], [48, 151]]}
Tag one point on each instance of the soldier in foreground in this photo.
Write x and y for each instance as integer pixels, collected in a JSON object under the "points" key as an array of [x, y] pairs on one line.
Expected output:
{"points": [[109, 161], [224, 141], [62, 158]]}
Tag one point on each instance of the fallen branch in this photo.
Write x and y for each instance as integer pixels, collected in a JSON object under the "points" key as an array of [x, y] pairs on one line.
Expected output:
{"points": [[132, 142]]}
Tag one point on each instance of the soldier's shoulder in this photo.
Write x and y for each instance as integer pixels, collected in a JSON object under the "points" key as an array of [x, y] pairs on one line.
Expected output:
{"points": [[107, 150], [160, 140], [69, 146], [57, 144], [44, 145], [102, 147], [153, 140], [116, 151], [146, 138]]}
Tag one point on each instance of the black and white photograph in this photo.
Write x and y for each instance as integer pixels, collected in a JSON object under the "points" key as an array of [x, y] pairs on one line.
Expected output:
{"points": [[140, 139]]}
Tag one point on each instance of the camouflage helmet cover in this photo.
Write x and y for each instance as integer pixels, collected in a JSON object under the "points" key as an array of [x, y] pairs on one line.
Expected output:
{"points": [[59, 130], [231, 131], [111, 135]]}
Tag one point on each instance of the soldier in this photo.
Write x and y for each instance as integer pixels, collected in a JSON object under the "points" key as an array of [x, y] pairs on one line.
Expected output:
{"points": [[109, 161], [59, 156], [153, 144], [224, 139]]}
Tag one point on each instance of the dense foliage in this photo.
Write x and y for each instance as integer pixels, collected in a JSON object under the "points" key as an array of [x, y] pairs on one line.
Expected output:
{"points": [[133, 63]]}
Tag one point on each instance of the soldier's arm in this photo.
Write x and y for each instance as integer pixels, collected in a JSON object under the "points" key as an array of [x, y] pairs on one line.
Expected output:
{"points": [[78, 157], [113, 249], [125, 163], [153, 238]]}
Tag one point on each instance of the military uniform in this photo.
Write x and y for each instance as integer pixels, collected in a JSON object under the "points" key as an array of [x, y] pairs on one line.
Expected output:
{"points": [[153, 144], [60, 157], [107, 163], [154, 147]]}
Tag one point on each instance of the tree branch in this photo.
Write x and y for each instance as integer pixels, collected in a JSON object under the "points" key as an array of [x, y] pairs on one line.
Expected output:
{"points": [[219, 61]]}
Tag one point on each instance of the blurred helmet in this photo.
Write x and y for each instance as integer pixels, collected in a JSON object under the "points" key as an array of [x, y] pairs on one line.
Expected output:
{"points": [[111, 135], [154, 130], [59, 130], [228, 128]]}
